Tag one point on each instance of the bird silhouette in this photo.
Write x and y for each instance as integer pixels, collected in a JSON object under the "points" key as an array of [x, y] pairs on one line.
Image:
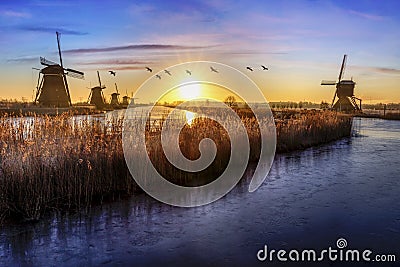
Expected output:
{"points": [[249, 68], [264, 68], [148, 69], [112, 72], [167, 72], [189, 72], [213, 70], [158, 76]]}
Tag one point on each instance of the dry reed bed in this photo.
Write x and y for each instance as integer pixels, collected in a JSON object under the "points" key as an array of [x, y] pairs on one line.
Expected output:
{"points": [[59, 163]]}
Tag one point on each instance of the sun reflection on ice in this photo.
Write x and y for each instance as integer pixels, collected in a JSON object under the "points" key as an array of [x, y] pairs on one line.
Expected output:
{"points": [[190, 116]]}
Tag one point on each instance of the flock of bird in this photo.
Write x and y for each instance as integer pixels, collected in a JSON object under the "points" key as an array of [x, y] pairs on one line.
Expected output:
{"points": [[189, 72]]}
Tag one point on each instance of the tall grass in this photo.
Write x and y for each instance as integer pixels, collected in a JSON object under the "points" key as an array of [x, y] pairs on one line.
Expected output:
{"points": [[64, 163], [56, 163]]}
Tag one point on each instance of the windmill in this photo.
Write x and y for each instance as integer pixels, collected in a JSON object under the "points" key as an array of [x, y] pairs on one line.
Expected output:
{"points": [[344, 91], [114, 97], [125, 99], [96, 96], [52, 88]]}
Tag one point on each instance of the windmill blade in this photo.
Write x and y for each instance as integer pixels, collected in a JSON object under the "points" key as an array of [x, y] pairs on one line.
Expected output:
{"points": [[328, 83], [90, 95], [46, 62], [342, 68], [116, 88], [98, 75], [75, 73]]}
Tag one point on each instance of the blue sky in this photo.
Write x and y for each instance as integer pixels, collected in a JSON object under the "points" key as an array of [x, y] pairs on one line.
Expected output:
{"points": [[302, 42]]}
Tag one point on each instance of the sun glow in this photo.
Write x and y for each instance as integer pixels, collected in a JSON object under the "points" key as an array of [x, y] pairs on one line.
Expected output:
{"points": [[190, 91]]}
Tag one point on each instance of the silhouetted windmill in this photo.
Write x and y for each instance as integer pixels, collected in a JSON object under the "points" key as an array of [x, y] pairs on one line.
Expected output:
{"points": [[115, 98], [96, 96], [125, 99], [52, 90], [344, 91], [133, 100]]}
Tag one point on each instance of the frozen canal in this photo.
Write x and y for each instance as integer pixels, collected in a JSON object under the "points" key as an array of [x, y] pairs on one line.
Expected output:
{"points": [[349, 189]]}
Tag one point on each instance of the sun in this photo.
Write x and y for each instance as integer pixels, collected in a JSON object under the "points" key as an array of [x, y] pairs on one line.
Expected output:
{"points": [[190, 91]]}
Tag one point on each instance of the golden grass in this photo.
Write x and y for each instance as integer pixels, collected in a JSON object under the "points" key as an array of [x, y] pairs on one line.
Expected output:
{"points": [[61, 163]]}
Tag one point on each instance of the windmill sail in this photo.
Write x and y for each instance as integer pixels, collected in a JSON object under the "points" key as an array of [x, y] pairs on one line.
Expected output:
{"points": [[46, 62]]}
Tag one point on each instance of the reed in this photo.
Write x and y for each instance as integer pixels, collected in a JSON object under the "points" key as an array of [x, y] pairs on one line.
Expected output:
{"points": [[65, 163]]}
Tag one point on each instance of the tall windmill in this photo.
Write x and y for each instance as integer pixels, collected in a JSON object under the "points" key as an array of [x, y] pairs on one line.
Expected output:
{"points": [[52, 88], [96, 96], [344, 91]]}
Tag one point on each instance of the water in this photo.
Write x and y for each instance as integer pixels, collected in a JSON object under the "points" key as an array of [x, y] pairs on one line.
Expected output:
{"points": [[349, 189]]}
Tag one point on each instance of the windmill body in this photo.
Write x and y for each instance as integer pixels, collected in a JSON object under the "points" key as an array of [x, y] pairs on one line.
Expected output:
{"points": [[52, 89], [346, 101], [115, 98], [96, 96], [125, 100]]}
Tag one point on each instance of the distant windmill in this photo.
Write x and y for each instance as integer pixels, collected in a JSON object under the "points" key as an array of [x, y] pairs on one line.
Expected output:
{"points": [[52, 89], [96, 96], [133, 100], [115, 97], [125, 99], [344, 91]]}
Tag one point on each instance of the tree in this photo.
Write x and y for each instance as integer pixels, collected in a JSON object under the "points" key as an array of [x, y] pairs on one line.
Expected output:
{"points": [[230, 101], [324, 105]]}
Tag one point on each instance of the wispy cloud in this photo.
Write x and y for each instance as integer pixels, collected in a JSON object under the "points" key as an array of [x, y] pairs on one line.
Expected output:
{"points": [[381, 70], [116, 62], [387, 70], [14, 14], [367, 15], [124, 68], [29, 59], [136, 9], [45, 29], [133, 47], [51, 3]]}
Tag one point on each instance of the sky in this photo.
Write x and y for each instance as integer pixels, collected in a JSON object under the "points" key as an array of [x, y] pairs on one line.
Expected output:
{"points": [[301, 42]]}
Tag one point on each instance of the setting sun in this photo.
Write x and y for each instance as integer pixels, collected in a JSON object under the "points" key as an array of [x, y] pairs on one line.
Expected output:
{"points": [[190, 91]]}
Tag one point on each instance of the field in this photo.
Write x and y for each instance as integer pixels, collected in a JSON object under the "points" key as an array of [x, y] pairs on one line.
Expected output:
{"points": [[64, 164]]}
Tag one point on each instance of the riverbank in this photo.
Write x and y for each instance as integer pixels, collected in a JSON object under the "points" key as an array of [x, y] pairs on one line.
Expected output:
{"points": [[31, 110], [386, 116], [56, 164]]}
